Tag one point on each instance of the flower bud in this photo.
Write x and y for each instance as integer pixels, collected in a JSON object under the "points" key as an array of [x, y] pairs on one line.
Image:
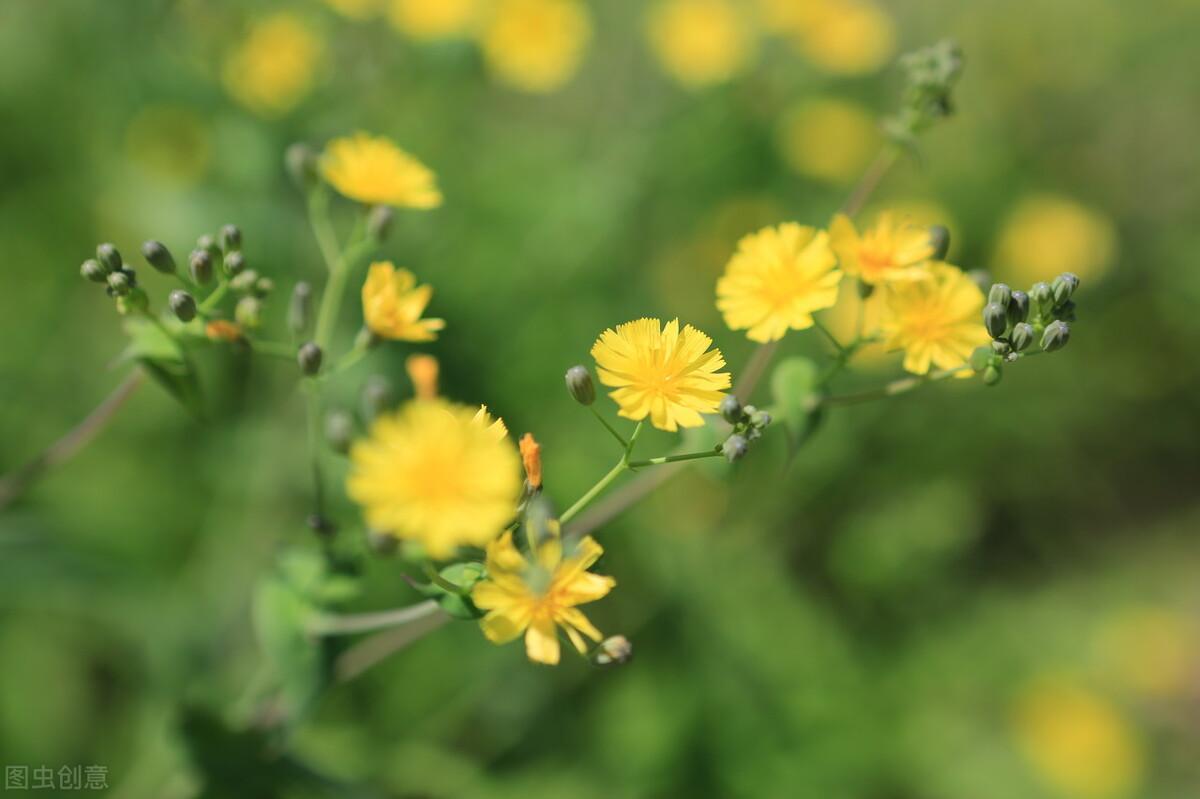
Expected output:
{"points": [[158, 256], [321, 526], [382, 543], [200, 267], [1064, 286], [1041, 296], [981, 278], [1022, 336], [1066, 311], [579, 383], [995, 319], [991, 375], [235, 263], [243, 282], [1055, 336], [731, 409], [301, 162], [939, 239], [223, 330], [379, 222], [981, 358], [183, 305], [309, 357], [119, 284], [339, 430], [735, 448], [423, 372], [109, 257], [135, 300], [263, 287], [230, 237], [300, 309], [93, 271], [531, 459], [376, 396], [613, 651], [1018, 307], [248, 312], [1000, 294], [209, 245], [1001, 347]]}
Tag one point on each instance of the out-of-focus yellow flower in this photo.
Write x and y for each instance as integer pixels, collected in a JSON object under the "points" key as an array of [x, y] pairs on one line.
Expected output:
{"points": [[272, 70], [536, 45], [393, 304], [925, 213], [1046, 235], [169, 142], [662, 372], [1152, 651], [429, 20], [429, 472], [847, 37], [536, 598], [890, 251], [936, 321], [358, 9], [829, 139], [531, 457], [1076, 740], [784, 16], [494, 426], [373, 170], [423, 372], [700, 42], [776, 279]]}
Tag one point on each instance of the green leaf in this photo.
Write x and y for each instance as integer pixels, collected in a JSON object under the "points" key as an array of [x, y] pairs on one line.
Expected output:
{"points": [[797, 399], [164, 360], [281, 618]]}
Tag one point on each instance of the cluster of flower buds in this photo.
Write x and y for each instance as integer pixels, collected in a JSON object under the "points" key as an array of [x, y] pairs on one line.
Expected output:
{"points": [[1017, 320], [748, 425], [616, 650], [930, 75], [119, 279]]}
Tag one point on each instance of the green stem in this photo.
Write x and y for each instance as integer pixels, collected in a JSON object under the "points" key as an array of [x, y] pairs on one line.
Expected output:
{"points": [[211, 302], [594, 491], [276, 349], [837, 345], [894, 388], [441, 582], [347, 360], [633, 440], [313, 411], [687, 456], [368, 622], [620, 438]]}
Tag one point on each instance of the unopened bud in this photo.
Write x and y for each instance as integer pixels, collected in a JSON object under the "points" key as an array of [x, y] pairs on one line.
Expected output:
{"points": [[1042, 297], [200, 266], [1022, 336], [531, 459], [735, 448], [248, 312], [183, 305], [209, 244], [991, 375], [382, 543], [377, 396], [309, 357], [230, 238], [263, 286], [301, 162], [423, 372], [981, 358], [1066, 311], [731, 409], [339, 430], [995, 319], [158, 256], [981, 278], [1055, 336], [761, 419], [613, 651], [235, 263], [93, 271], [135, 300], [1000, 294], [300, 309], [379, 222], [109, 257], [243, 282], [119, 284], [1018, 307], [579, 384], [939, 239], [1064, 286]]}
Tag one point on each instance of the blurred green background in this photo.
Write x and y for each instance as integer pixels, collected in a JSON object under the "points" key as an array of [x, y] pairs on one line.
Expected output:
{"points": [[967, 592]]}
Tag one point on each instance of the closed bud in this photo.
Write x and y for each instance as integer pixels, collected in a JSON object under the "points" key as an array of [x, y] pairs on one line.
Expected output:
{"points": [[209, 244], [200, 266], [235, 264], [1001, 347], [309, 357], [735, 448], [109, 257], [300, 309], [579, 384], [981, 278], [939, 239], [1066, 311], [1042, 297], [230, 238], [1000, 294], [158, 256], [377, 396], [134, 300], [379, 222], [382, 543], [991, 375], [1064, 286], [995, 319], [615, 650], [119, 284], [93, 271], [183, 305], [301, 162], [1022, 336], [339, 430], [731, 409], [1018, 307], [1055, 336], [243, 282], [263, 286], [248, 312], [981, 358]]}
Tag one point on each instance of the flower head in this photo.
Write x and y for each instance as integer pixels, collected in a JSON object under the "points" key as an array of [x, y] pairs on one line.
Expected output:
{"points": [[536, 598], [888, 252], [372, 169], [423, 372], [699, 42], [393, 304], [536, 45], [776, 279], [936, 320], [431, 473], [493, 426], [273, 68], [662, 372], [531, 457]]}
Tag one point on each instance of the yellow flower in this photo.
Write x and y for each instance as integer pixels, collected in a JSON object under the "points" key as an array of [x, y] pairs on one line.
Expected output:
{"points": [[847, 37], [431, 473], [433, 19], [1077, 741], [699, 42], [935, 321], [536, 45], [531, 458], [373, 170], [494, 427], [888, 252], [536, 598], [776, 279], [1047, 234], [354, 9], [273, 68], [661, 372], [828, 139], [423, 372], [393, 304]]}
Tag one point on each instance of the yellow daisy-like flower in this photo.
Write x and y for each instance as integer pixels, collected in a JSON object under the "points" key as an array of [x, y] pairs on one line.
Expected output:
{"points": [[776, 279], [536, 45], [891, 250], [393, 304], [429, 20], [431, 473], [272, 70], [493, 425], [537, 598], [936, 321], [662, 372], [373, 170], [699, 42]]}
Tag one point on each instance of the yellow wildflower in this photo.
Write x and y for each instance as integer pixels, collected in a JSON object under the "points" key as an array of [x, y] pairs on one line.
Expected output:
{"points": [[354, 9], [531, 457], [661, 372], [889, 251], [699, 42], [393, 304], [776, 279], [847, 37], [828, 139], [373, 170], [429, 472], [936, 321], [537, 598], [1048, 234], [433, 19], [536, 45], [272, 70], [423, 372], [494, 426]]}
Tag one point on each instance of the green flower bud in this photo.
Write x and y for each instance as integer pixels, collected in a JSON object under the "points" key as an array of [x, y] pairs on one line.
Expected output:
{"points": [[235, 263], [321, 526], [209, 245], [339, 430], [981, 358], [1000, 294], [109, 257], [183, 305], [613, 651], [1055, 336], [158, 256], [731, 409], [991, 375], [230, 237], [1018, 307], [300, 309], [579, 384], [93, 271], [382, 543], [248, 312], [1001, 347], [367, 339], [309, 357], [301, 162], [244, 281], [1041, 296], [995, 319], [379, 222], [735, 448], [135, 300], [1066, 311], [1064, 286], [939, 239], [200, 267], [761, 419], [1022, 336], [377, 396], [119, 284], [263, 286]]}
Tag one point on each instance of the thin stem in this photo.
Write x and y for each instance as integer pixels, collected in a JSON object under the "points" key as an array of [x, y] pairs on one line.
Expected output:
{"points": [[901, 386], [276, 349], [620, 438], [633, 440], [441, 582], [322, 228], [594, 491], [687, 456], [313, 412], [211, 302], [331, 298], [754, 370], [870, 180], [368, 622], [837, 345], [347, 360], [383, 645]]}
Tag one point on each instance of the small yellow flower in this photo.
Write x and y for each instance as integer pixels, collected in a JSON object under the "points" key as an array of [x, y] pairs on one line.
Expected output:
{"points": [[272, 70], [494, 426], [936, 321], [699, 42], [431, 473], [537, 598], [828, 139], [889, 251], [847, 37], [423, 372], [373, 170], [776, 279], [661, 372], [393, 304], [536, 45], [429, 20], [1047, 234]]}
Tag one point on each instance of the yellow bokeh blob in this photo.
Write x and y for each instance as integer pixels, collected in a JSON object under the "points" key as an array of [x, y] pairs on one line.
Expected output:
{"points": [[1046, 235], [828, 139]]}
